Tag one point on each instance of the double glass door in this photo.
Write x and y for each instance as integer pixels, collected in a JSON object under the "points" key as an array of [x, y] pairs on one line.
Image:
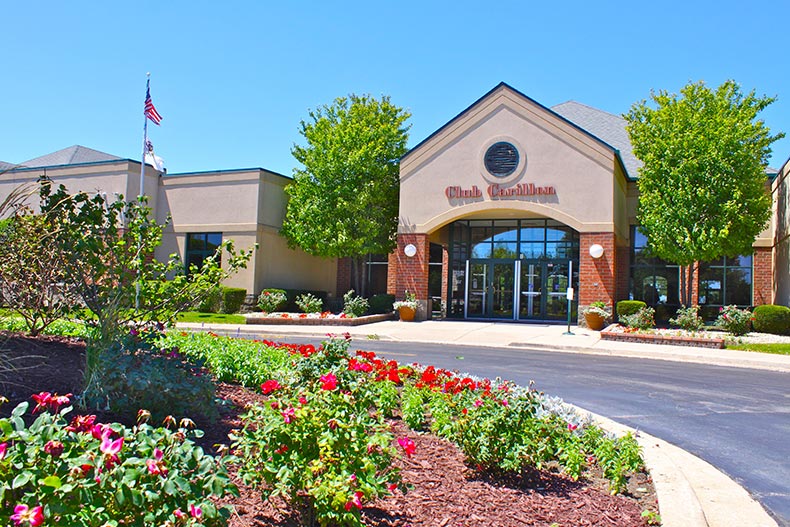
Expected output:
{"points": [[518, 289]]}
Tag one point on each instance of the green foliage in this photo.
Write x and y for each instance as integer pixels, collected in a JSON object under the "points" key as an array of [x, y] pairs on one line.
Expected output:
{"points": [[776, 348], [133, 374], [212, 302], [642, 319], [87, 474], [354, 306], [33, 283], [293, 294], [771, 318], [327, 453], [688, 318], [60, 327], [105, 246], [629, 307], [232, 299], [209, 318], [344, 201], [702, 187], [309, 304], [735, 320], [413, 407], [381, 303], [271, 300]]}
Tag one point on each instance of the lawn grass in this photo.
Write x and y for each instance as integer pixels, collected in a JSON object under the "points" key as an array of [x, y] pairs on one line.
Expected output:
{"points": [[217, 318], [776, 348]]}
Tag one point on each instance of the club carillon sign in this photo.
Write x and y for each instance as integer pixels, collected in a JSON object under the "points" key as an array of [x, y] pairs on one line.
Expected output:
{"points": [[502, 161]]}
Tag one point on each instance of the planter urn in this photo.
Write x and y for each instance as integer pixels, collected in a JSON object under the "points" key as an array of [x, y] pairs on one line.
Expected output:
{"points": [[594, 321], [406, 313]]}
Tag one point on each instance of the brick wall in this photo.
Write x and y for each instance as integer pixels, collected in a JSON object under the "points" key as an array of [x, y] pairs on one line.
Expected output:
{"points": [[763, 275], [412, 272], [623, 273], [343, 282], [392, 273], [597, 275]]}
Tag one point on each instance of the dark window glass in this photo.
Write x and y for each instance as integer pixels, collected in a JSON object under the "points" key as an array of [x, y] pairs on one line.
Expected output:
{"points": [[726, 281], [201, 245]]}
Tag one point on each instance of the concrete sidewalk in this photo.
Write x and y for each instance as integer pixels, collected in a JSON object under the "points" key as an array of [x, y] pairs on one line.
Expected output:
{"points": [[691, 492]]}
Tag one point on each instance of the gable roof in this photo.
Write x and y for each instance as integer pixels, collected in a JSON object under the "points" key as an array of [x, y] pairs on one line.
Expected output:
{"points": [[72, 155], [558, 115], [606, 126], [6, 166]]}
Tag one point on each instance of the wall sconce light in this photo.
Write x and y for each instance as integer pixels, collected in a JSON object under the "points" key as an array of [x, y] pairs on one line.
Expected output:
{"points": [[596, 251], [410, 250]]}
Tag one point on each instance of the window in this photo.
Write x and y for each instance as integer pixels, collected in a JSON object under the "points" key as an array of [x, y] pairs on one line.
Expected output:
{"points": [[200, 246], [376, 267], [726, 281], [653, 280]]}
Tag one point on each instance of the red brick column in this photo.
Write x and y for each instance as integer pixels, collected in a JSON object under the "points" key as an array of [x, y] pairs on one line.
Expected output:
{"points": [[623, 273], [392, 273], [343, 281], [597, 275], [445, 279], [412, 272], [762, 269]]}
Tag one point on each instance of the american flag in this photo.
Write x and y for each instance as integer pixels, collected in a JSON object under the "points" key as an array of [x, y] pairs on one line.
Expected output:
{"points": [[150, 110]]}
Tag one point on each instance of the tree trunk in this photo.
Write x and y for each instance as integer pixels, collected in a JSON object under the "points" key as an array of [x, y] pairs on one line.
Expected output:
{"points": [[686, 284], [358, 276]]}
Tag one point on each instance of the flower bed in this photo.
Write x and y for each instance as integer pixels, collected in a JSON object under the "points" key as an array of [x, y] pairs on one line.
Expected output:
{"points": [[674, 337], [314, 319]]}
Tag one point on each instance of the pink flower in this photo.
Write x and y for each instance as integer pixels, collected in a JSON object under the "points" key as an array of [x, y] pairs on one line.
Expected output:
{"points": [[407, 445], [478, 403], [34, 516], [195, 512], [328, 382], [270, 386], [356, 501], [178, 513], [82, 423], [288, 414], [110, 447], [42, 401], [302, 400], [3, 448], [54, 448], [47, 401], [504, 402], [572, 427]]}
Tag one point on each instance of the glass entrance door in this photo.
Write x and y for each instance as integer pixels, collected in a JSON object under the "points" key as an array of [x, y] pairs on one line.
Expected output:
{"points": [[543, 288], [490, 287]]}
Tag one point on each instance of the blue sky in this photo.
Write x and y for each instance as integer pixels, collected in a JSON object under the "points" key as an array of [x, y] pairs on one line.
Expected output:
{"points": [[232, 80]]}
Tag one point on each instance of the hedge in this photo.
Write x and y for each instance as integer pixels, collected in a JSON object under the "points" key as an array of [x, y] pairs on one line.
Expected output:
{"points": [[629, 307], [381, 303], [771, 318], [232, 299]]}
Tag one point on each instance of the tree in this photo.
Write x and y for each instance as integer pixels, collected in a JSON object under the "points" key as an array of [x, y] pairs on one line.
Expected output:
{"points": [[344, 201], [702, 188]]}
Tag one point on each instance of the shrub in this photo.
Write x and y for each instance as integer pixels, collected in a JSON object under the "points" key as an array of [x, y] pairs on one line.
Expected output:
{"points": [[132, 375], [642, 319], [293, 294], [86, 473], [629, 307], [270, 300], [212, 302], [381, 303], [734, 320], [771, 318], [354, 306], [232, 299], [688, 318], [309, 304], [326, 452]]}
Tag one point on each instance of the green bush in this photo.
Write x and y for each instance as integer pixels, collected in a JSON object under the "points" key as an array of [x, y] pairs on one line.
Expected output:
{"points": [[735, 320], [292, 294], [642, 319], [232, 299], [131, 375], [86, 473], [688, 318], [354, 306], [771, 318], [271, 300], [212, 302], [308, 303], [381, 303], [629, 307]]}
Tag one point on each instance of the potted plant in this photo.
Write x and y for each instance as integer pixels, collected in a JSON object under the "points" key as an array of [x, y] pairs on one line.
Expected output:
{"points": [[407, 307], [596, 315]]}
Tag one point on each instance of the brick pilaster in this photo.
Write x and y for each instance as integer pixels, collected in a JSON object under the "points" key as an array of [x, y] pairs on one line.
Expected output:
{"points": [[412, 272], [597, 275], [343, 281], [762, 269]]}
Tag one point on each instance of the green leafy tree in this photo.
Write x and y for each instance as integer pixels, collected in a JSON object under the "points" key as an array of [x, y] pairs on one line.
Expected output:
{"points": [[702, 188], [344, 201]]}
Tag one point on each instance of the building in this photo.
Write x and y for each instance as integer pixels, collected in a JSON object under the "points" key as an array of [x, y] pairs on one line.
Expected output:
{"points": [[501, 211]]}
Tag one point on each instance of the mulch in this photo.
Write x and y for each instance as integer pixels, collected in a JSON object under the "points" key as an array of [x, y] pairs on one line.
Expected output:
{"points": [[445, 492]]}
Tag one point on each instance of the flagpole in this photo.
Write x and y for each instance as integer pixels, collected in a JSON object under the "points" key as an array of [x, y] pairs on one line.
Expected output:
{"points": [[142, 191]]}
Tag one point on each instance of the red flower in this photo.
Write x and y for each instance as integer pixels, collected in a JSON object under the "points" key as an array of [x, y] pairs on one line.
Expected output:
{"points": [[356, 501], [328, 382], [54, 448], [407, 445], [270, 386]]}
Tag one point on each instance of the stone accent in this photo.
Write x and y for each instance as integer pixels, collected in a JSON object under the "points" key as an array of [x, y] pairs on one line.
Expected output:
{"points": [[674, 340], [351, 321], [762, 273]]}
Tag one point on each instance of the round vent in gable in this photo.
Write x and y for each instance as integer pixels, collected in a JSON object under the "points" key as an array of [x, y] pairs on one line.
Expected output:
{"points": [[501, 159]]}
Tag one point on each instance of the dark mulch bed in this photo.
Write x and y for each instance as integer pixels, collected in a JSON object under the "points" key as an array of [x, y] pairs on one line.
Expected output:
{"points": [[445, 492]]}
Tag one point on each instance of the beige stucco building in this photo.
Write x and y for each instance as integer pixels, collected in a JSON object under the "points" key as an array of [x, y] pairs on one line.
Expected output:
{"points": [[502, 210]]}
